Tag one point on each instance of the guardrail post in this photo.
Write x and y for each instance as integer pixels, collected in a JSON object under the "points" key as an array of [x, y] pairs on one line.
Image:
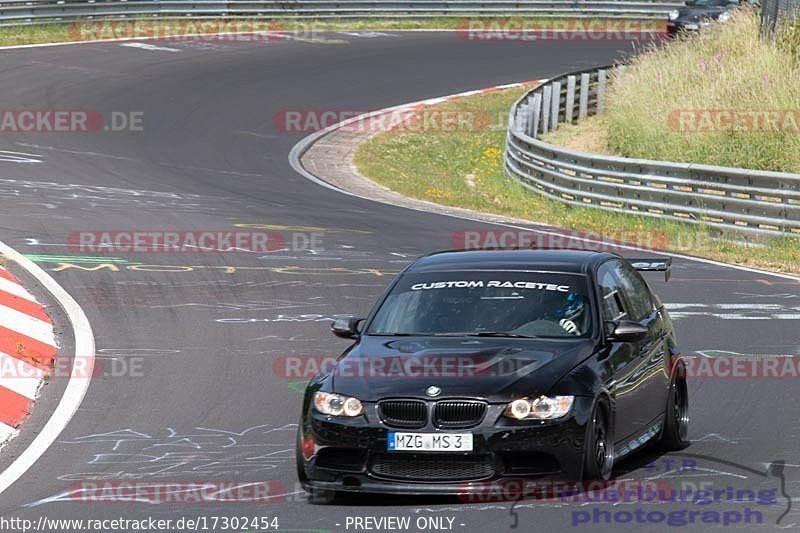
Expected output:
{"points": [[519, 121], [537, 108], [546, 96], [583, 108], [601, 91], [569, 103], [555, 105]]}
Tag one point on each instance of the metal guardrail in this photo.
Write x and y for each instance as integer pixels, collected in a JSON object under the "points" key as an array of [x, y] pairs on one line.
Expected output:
{"points": [[777, 12], [25, 12], [719, 197]]}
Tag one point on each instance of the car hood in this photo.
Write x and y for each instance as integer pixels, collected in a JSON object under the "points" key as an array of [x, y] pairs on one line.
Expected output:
{"points": [[493, 369]]}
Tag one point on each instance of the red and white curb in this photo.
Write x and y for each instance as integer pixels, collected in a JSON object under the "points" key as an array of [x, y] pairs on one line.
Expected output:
{"points": [[77, 386], [297, 151], [27, 353]]}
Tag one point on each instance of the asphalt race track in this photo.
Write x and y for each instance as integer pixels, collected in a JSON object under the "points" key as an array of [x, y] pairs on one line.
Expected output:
{"points": [[202, 330]]}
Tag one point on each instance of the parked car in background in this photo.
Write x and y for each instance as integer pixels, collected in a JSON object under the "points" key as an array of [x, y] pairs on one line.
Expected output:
{"points": [[700, 13]]}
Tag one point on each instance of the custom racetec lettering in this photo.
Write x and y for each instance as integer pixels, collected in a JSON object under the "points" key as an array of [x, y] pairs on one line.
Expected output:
{"points": [[474, 284]]}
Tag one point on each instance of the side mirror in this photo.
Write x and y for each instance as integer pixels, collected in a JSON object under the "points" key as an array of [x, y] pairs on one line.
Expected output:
{"points": [[346, 327], [627, 331]]}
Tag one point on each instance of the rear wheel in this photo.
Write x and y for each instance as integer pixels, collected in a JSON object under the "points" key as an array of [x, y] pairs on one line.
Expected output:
{"points": [[598, 462], [675, 434]]}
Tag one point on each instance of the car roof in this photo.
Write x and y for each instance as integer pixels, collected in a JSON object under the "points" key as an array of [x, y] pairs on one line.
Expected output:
{"points": [[567, 261]]}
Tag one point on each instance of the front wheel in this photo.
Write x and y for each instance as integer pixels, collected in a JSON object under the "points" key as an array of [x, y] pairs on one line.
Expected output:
{"points": [[675, 434], [598, 461]]}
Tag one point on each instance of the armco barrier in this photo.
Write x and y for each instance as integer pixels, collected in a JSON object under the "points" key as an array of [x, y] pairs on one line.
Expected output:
{"points": [[24, 12], [719, 197]]}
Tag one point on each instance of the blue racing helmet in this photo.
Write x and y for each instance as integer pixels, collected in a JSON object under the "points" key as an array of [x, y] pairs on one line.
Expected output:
{"points": [[572, 308]]}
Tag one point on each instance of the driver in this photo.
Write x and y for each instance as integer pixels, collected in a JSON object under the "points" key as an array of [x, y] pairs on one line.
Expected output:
{"points": [[571, 316]]}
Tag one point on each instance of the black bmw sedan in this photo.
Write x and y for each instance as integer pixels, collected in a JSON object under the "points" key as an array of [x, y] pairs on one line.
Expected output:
{"points": [[482, 366]]}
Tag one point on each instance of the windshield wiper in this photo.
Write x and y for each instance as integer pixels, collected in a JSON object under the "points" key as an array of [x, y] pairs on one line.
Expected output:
{"points": [[383, 334], [485, 334]]}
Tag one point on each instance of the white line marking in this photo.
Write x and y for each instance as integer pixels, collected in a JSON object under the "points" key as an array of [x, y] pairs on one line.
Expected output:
{"points": [[76, 388], [19, 376], [431, 101], [6, 285], [469, 93], [27, 325], [297, 151], [19, 153], [151, 47], [6, 433], [18, 157]]}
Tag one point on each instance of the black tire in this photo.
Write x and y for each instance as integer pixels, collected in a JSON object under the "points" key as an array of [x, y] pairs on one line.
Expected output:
{"points": [[674, 435], [598, 461]]}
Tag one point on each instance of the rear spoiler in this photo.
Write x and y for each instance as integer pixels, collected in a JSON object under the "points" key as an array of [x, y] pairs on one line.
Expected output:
{"points": [[654, 265]]}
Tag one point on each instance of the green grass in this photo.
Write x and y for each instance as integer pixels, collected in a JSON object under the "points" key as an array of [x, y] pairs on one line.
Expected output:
{"points": [[39, 33], [464, 169], [724, 67]]}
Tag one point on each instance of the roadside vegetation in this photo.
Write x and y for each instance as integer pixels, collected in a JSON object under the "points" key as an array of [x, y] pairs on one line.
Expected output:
{"points": [[722, 97], [465, 169]]}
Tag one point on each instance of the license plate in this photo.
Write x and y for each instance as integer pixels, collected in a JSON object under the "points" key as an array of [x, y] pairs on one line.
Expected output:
{"points": [[692, 26], [429, 442]]}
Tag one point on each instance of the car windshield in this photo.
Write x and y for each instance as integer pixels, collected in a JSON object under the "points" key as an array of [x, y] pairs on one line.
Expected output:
{"points": [[712, 3], [486, 303]]}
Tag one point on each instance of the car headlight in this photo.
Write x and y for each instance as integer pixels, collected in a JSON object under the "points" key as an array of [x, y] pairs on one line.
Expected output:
{"points": [[724, 17], [541, 408], [674, 14], [337, 405]]}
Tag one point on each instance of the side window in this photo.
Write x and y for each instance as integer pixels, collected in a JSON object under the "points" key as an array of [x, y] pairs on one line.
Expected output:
{"points": [[635, 289], [612, 304]]}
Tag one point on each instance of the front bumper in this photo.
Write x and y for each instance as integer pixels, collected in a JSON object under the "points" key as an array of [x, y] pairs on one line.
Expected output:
{"points": [[351, 455], [676, 26]]}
